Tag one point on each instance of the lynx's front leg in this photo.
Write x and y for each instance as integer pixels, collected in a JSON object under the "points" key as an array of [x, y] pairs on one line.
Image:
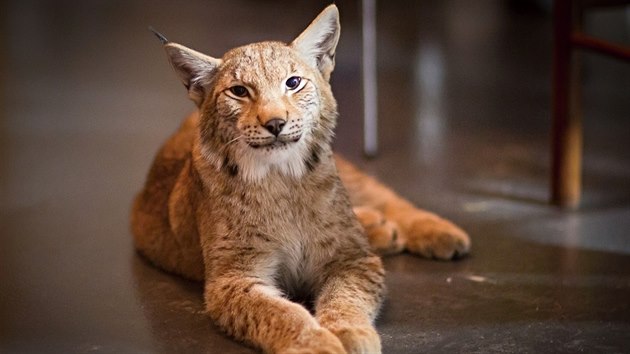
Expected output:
{"points": [[242, 299], [349, 302], [424, 233], [255, 312]]}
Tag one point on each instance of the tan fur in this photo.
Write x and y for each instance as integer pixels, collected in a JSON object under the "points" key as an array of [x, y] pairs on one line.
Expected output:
{"points": [[263, 219]]}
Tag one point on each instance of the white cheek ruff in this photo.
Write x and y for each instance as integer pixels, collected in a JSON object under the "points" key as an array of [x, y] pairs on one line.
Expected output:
{"points": [[212, 157], [255, 164]]}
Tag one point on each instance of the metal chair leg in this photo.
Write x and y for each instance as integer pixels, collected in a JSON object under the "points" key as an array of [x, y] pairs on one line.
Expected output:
{"points": [[370, 107]]}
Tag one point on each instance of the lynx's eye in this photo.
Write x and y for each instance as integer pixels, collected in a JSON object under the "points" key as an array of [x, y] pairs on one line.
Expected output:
{"points": [[239, 91], [293, 82]]}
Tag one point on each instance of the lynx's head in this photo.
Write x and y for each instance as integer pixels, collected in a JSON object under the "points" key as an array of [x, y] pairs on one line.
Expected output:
{"points": [[265, 106]]}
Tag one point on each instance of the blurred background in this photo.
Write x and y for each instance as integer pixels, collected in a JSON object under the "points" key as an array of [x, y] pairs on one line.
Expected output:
{"points": [[87, 97]]}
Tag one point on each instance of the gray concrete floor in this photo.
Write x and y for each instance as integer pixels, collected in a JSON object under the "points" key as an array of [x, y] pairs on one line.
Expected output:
{"points": [[87, 97]]}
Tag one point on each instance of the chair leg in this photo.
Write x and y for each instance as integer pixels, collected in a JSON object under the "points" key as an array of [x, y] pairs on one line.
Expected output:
{"points": [[567, 122], [370, 97]]}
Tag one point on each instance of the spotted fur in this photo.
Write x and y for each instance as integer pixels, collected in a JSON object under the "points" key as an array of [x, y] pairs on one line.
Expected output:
{"points": [[264, 219]]}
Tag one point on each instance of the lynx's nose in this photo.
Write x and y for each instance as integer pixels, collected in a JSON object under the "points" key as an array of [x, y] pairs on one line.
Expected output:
{"points": [[274, 126]]}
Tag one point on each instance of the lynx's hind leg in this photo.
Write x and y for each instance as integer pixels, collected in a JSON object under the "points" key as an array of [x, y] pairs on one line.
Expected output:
{"points": [[421, 232], [429, 235], [162, 219], [384, 235]]}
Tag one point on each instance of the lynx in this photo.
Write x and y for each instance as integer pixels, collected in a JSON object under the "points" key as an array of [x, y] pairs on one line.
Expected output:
{"points": [[248, 197]]}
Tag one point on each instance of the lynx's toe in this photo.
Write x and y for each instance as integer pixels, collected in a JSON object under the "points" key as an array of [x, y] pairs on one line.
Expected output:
{"points": [[437, 238], [359, 340], [317, 341], [384, 235]]}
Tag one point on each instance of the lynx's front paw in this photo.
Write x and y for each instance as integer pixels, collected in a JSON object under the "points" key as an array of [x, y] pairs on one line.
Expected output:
{"points": [[384, 235], [359, 339], [434, 237], [316, 341]]}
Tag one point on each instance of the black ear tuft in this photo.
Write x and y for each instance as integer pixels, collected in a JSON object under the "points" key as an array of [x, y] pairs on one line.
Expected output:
{"points": [[160, 36]]}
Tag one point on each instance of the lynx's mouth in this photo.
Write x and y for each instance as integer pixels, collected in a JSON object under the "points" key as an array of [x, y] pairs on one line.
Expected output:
{"points": [[282, 141]]}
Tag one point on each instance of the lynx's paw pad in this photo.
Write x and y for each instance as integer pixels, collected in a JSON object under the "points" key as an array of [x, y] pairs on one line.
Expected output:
{"points": [[434, 237], [359, 340], [384, 236], [316, 341]]}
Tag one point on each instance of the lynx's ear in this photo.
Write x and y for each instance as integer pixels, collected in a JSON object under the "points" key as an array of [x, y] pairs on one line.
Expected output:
{"points": [[193, 68], [319, 40]]}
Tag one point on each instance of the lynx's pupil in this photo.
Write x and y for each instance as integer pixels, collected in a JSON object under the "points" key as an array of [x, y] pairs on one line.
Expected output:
{"points": [[239, 91], [293, 82]]}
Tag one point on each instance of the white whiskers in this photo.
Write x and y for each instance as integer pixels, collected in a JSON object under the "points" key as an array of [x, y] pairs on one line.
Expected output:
{"points": [[230, 142]]}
